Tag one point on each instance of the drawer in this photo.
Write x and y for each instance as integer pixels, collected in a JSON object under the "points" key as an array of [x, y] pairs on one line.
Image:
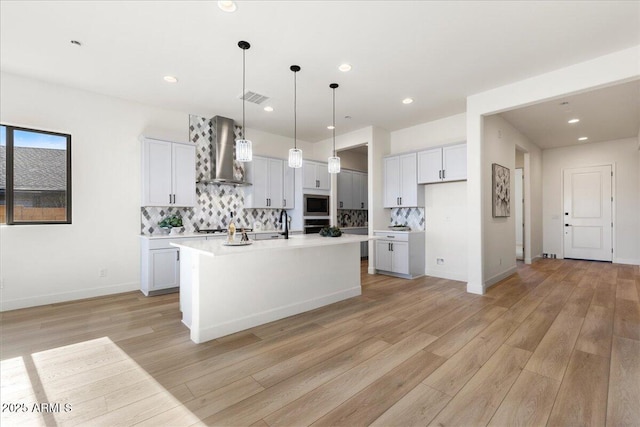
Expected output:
{"points": [[392, 235]]}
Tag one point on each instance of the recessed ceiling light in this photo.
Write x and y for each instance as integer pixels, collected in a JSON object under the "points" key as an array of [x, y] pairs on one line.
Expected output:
{"points": [[268, 108], [583, 138], [76, 42], [330, 127], [572, 121], [344, 68], [407, 100], [170, 79], [227, 6]]}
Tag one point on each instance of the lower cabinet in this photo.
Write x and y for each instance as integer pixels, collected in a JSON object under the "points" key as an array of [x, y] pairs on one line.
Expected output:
{"points": [[160, 265], [400, 254]]}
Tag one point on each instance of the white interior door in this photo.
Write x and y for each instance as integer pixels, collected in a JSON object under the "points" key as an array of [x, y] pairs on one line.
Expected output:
{"points": [[588, 213]]}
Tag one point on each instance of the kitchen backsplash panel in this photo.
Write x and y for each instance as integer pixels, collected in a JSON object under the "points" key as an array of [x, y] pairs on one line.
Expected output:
{"points": [[215, 202], [352, 218], [413, 217]]}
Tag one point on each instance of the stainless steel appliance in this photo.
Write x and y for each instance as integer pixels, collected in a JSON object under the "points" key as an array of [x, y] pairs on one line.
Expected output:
{"points": [[314, 225], [316, 205]]}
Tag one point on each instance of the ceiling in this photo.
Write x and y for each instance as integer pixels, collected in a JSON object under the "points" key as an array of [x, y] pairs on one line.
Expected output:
{"points": [[435, 52], [605, 114]]}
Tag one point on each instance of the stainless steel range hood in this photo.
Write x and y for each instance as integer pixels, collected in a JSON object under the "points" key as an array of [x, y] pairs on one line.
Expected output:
{"points": [[222, 154]]}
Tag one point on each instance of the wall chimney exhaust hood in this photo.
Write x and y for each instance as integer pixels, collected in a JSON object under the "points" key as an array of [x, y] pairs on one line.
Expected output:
{"points": [[222, 154]]}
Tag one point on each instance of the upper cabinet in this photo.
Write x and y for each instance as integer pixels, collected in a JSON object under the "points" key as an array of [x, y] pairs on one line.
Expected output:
{"points": [[272, 184], [352, 190], [401, 182], [443, 164], [315, 176], [168, 173]]}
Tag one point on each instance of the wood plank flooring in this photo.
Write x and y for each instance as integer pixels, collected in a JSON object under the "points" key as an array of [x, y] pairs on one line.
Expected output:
{"points": [[556, 344]]}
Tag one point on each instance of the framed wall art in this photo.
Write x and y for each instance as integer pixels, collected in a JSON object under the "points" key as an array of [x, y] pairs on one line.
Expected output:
{"points": [[501, 191]]}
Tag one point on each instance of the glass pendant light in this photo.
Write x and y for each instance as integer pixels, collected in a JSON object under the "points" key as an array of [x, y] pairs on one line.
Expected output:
{"points": [[243, 145], [334, 162], [295, 154]]}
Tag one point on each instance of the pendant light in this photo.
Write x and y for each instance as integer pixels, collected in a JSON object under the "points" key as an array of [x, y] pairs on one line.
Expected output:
{"points": [[334, 162], [295, 154], [243, 145]]}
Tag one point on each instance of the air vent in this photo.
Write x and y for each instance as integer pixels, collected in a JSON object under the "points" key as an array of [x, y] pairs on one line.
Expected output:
{"points": [[256, 98]]}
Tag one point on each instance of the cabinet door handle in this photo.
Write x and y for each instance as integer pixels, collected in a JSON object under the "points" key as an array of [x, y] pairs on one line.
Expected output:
{"points": [[391, 246], [362, 205], [444, 174], [169, 198], [400, 200], [178, 255], [284, 202], [440, 174], [340, 204]]}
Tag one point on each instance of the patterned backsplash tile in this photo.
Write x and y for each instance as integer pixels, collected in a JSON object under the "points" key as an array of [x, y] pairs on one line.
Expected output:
{"points": [[413, 217], [352, 218]]}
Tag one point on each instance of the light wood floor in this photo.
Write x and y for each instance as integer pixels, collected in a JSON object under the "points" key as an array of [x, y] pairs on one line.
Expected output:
{"points": [[557, 344]]}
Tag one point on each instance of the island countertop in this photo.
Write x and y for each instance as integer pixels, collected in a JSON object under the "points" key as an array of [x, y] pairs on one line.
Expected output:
{"points": [[216, 248]]}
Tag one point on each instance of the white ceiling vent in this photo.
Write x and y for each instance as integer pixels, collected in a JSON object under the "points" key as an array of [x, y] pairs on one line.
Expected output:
{"points": [[256, 98]]}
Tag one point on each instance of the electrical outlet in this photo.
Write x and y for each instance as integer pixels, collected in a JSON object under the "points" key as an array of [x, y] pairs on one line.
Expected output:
{"points": [[439, 261], [102, 272]]}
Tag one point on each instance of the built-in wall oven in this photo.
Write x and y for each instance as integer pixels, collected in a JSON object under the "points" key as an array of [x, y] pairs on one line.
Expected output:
{"points": [[314, 225], [316, 205]]}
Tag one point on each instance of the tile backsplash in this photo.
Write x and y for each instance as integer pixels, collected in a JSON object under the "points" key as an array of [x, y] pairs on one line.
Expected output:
{"points": [[413, 217], [352, 218], [215, 203]]}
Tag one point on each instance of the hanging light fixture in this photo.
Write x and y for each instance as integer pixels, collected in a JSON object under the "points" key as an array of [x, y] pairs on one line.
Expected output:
{"points": [[334, 162], [295, 154], [243, 145]]}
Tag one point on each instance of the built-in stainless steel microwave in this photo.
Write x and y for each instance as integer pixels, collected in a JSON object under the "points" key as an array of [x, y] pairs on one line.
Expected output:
{"points": [[316, 205]]}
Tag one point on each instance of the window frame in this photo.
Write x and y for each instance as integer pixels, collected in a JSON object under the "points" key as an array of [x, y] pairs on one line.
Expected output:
{"points": [[9, 190]]}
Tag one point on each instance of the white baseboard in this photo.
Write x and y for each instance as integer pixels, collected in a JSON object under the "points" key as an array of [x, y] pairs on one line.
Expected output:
{"points": [[450, 275], [532, 260], [498, 277], [14, 304], [371, 270], [475, 288], [626, 261]]}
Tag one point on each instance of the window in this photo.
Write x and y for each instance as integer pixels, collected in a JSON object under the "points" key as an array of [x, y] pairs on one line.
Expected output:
{"points": [[35, 176]]}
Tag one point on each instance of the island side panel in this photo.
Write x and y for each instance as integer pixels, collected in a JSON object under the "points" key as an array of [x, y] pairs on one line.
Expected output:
{"points": [[235, 293]]}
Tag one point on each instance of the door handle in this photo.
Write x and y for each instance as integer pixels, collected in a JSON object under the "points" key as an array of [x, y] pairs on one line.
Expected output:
{"points": [[567, 225]]}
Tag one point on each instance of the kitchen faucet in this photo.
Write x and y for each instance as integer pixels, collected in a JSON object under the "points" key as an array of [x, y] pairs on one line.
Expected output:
{"points": [[286, 223]]}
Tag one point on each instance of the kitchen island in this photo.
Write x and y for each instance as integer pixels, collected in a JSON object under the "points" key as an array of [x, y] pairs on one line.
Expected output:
{"points": [[226, 289]]}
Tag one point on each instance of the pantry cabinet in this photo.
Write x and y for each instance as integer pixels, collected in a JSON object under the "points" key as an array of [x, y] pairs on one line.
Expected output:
{"points": [[168, 173], [442, 164], [401, 182]]}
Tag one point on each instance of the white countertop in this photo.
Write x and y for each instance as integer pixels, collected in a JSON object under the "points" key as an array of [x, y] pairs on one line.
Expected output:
{"points": [[388, 230], [216, 248], [188, 235]]}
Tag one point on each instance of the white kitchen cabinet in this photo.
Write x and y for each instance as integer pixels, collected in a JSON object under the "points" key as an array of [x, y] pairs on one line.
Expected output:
{"points": [[345, 190], [268, 186], [168, 173], [442, 164], [360, 190], [315, 176], [289, 201], [400, 254], [160, 264], [401, 182]]}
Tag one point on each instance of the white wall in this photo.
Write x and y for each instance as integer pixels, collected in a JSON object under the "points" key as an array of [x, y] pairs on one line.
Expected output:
{"points": [[438, 132], [605, 70], [445, 204], [624, 155], [500, 140], [49, 263], [353, 160], [268, 144]]}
